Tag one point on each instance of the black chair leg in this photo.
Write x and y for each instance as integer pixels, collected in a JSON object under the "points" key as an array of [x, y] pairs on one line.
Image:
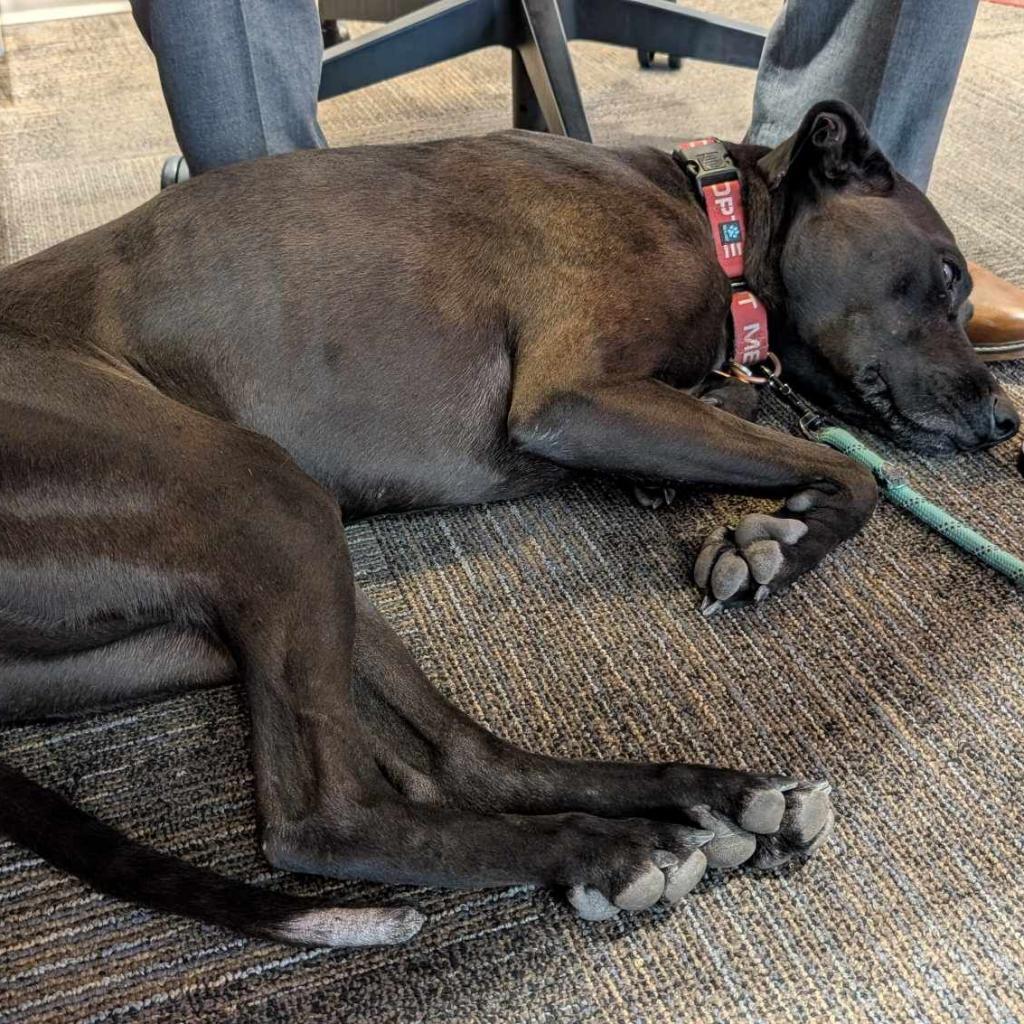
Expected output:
{"points": [[526, 112], [544, 57], [660, 26], [646, 58], [433, 33]]}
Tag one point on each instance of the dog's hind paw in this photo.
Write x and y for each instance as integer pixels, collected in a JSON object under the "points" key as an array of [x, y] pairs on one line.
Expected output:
{"points": [[652, 496], [668, 882], [776, 826], [632, 864], [757, 821], [666, 879], [746, 820]]}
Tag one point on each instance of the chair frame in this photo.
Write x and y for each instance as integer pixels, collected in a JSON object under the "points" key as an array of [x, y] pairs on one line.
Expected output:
{"points": [[545, 93]]}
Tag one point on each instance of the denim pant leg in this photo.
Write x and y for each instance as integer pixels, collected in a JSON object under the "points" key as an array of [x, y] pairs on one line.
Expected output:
{"points": [[896, 61], [240, 77]]}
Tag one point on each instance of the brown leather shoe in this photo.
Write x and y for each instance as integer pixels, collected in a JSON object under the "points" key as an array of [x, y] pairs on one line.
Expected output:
{"points": [[997, 326]]}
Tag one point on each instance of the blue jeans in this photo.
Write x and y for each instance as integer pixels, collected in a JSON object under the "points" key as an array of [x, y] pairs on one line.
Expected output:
{"points": [[241, 76], [896, 61]]}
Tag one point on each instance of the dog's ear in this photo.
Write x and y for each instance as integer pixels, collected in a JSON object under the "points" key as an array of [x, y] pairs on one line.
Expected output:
{"points": [[830, 148]]}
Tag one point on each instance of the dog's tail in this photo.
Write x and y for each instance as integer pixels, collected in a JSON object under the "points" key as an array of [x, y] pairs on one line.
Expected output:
{"points": [[80, 844]]}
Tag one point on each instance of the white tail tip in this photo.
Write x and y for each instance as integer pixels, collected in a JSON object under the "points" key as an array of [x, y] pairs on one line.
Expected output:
{"points": [[351, 926]]}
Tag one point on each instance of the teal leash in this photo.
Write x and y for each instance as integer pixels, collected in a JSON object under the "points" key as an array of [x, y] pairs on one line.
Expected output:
{"points": [[894, 486]]}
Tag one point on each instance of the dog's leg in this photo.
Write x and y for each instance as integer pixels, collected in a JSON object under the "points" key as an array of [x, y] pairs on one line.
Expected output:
{"points": [[646, 428], [435, 754], [123, 512], [135, 535], [725, 393], [146, 664]]}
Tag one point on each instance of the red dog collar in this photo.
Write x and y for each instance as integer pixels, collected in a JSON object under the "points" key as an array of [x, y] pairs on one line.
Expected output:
{"points": [[718, 184]]}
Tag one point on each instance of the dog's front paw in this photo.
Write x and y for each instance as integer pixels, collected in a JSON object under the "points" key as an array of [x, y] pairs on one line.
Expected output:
{"points": [[763, 553], [739, 563]]}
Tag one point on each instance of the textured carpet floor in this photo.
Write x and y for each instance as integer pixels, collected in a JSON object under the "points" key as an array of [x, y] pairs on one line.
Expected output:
{"points": [[566, 623]]}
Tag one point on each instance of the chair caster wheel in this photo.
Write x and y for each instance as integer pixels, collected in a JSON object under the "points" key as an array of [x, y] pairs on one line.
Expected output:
{"points": [[647, 58], [334, 33], [174, 171]]}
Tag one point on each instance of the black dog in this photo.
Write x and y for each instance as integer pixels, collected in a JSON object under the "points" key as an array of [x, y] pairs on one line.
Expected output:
{"points": [[192, 395]]}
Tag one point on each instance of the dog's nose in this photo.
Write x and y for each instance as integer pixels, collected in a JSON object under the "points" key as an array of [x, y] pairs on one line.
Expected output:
{"points": [[1005, 421]]}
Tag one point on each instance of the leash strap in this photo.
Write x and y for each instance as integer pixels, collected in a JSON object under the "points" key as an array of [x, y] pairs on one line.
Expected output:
{"points": [[895, 488], [717, 181]]}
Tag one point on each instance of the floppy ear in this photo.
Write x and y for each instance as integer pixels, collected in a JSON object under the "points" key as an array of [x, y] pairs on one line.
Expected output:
{"points": [[831, 147]]}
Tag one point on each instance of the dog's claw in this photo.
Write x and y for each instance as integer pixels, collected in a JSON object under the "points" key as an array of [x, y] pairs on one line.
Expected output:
{"points": [[709, 606]]}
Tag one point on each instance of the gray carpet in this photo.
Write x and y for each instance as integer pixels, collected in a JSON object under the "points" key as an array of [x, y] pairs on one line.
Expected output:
{"points": [[566, 623]]}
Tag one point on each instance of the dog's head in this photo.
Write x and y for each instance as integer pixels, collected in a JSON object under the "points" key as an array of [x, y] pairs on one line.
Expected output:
{"points": [[875, 293]]}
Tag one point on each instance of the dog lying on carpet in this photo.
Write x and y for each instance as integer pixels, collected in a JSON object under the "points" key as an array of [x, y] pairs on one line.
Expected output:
{"points": [[193, 396]]}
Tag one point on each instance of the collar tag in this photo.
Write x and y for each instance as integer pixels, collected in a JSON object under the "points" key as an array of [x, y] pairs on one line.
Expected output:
{"points": [[717, 181]]}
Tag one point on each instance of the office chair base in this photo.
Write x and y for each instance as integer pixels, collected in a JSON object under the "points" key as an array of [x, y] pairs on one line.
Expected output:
{"points": [[545, 94]]}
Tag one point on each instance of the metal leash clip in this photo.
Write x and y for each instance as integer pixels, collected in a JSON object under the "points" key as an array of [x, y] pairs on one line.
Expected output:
{"points": [[769, 373], [811, 421]]}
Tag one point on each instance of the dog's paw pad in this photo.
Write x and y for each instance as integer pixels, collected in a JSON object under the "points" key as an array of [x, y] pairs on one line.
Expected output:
{"points": [[591, 904], [642, 863], [683, 877], [762, 821], [716, 543], [762, 811], [805, 827], [823, 836], [644, 891], [729, 576], [732, 845], [802, 501], [765, 559], [807, 811], [758, 526]]}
